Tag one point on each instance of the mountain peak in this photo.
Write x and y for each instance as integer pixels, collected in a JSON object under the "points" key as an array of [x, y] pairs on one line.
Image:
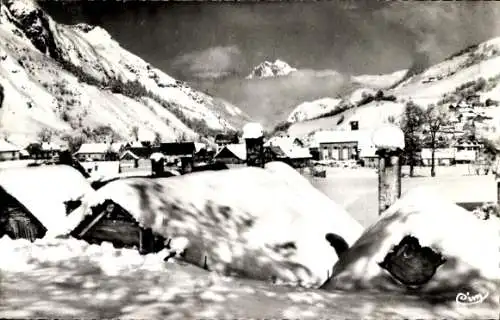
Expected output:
{"points": [[269, 69]]}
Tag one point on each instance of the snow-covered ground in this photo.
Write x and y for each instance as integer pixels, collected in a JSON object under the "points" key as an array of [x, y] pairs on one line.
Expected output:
{"points": [[70, 278], [357, 189], [40, 93]]}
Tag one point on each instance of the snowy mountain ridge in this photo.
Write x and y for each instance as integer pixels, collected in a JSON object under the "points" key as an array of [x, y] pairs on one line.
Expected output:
{"points": [[268, 69], [69, 79], [474, 71]]}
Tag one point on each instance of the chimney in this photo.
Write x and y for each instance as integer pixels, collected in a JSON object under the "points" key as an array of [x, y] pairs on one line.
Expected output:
{"points": [[389, 141], [253, 134]]}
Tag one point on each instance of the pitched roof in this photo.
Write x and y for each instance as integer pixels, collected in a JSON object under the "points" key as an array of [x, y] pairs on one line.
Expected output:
{"points": [[143, 152], [337, 136], [127, 154], [239, 150], [7, 146], [43, 191], [93, 148]]}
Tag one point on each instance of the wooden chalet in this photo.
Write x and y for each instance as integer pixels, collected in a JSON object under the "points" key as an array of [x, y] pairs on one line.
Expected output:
{"points": [[35, 201], [110, 222], [8, 151], [42, 151], [232, 154], [112, 214], [185, 151], [93, 152]]}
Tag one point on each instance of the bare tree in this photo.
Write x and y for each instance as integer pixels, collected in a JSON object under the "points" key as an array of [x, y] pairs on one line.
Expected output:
{"points": [[45, 135], [435, 119], [135, 133], [411, 124], [157, 140]]}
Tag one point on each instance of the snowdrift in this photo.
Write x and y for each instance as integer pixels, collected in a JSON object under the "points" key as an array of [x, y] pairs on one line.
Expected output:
{"points": [[255, 223], [468, 245], [43, 191]]}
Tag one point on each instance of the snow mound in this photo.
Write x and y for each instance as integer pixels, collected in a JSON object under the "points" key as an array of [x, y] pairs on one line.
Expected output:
{"points": [[271, 69], [43, 191], [389, 137], [311, 109], [21, 255], [256, 223], [468, 245], [253, 130]]}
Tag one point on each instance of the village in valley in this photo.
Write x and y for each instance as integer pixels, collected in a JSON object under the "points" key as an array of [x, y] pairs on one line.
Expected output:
{"points": [[126, 193]]}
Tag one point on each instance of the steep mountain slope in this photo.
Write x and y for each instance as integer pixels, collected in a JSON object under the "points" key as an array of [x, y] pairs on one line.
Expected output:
{"points": [[380, 81], [69, 79], [474, 70]]}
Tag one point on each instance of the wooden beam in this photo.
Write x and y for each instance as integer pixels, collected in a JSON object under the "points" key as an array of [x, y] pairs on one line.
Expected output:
{"points": [[91, 224]]}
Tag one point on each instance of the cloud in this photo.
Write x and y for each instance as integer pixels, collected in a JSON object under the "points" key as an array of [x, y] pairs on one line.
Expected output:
{"points": [[270, 100], [438, 28], [211, 63]]}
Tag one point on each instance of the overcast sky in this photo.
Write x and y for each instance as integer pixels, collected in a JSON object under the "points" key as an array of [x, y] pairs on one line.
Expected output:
{"points": [[203, 42], [199, 39]]}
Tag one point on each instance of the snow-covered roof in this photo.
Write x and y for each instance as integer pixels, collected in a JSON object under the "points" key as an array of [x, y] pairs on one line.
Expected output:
{"points": [[238, 149], [338, 136], [240, 224], [116, 146], [199, 146], [297, 153], [157, 156], [389, 137], [8, 147], [50, 146], [253, 130], [368, 152], [439, 153], [43, 191], [425, 213], [93, 148], [130, 154]]}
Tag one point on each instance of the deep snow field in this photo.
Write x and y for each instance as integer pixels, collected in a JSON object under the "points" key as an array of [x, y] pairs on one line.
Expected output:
{"points": [[69, 278], [65, 277]]}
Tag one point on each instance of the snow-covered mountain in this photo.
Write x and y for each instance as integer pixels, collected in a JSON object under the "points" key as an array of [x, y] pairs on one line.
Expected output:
{"points": [[311, 109], [68, 79], [271, 69], [472, 71], [380, 81]]}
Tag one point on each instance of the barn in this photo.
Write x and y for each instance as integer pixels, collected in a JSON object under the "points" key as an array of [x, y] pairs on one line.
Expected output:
{"points": [[36, 200], [109, 221], [273, 223]]}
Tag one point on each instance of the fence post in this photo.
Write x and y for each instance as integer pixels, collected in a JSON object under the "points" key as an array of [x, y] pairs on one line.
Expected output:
{"points": [[389, 141]]}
